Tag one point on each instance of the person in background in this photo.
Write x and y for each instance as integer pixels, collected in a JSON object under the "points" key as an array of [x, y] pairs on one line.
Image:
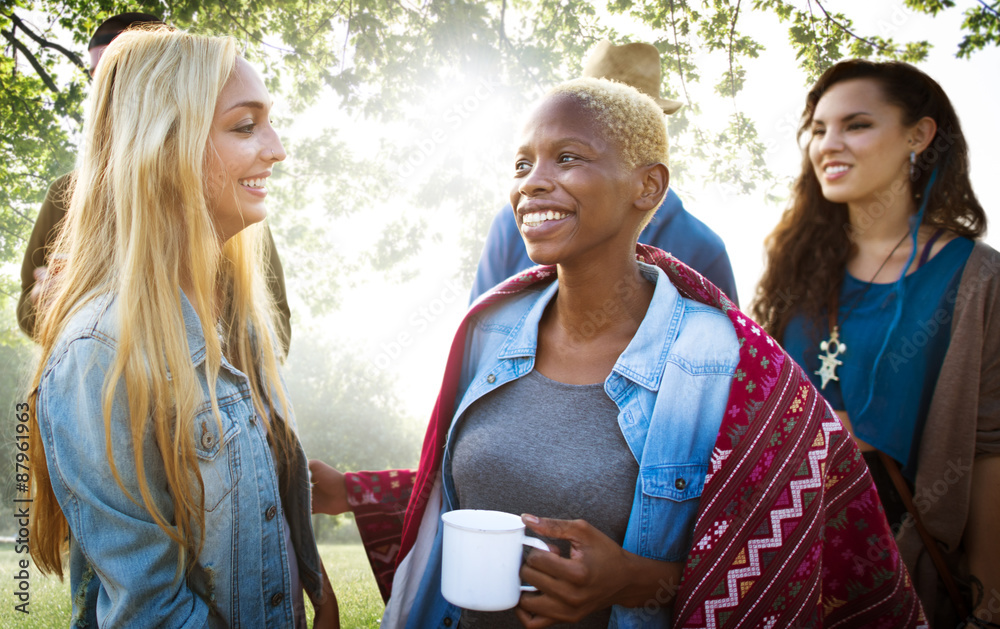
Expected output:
{"points": [[878, 286], [164, 458], [679, 461], [673, 229], [34, 267]]}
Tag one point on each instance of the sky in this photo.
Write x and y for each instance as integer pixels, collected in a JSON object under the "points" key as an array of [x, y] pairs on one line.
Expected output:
{"points": [[404, 329]]}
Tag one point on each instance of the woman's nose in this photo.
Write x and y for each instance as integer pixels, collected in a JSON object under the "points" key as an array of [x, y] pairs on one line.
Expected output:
{"points": [[537, 181], [831, 141], [275, 152]]}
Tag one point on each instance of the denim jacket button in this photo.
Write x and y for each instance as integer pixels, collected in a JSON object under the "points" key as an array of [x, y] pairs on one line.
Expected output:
{"points": [[447, 622], [207, 439], [253, 419], [491, 378], [276, 599], [680, 484], [270, 513]]}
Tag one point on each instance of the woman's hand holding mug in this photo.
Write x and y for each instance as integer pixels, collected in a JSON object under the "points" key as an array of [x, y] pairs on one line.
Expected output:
{"points": [[597, 575]]}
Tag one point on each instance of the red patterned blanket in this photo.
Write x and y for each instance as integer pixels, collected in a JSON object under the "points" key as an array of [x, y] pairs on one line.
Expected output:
{"points": [[790, 531]]}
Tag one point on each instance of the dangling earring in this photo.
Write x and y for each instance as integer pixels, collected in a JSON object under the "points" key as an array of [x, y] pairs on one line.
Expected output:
{"points": [[913, 166]]}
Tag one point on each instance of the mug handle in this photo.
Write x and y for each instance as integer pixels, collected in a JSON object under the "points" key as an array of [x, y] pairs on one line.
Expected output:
{"points": [[534, 542]]}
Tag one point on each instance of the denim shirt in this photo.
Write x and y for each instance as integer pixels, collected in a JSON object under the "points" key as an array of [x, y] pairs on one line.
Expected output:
{"points": [[671, 386], [123, 567]]}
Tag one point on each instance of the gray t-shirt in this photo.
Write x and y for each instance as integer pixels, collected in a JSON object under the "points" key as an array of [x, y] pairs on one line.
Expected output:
{"points": [[550, 449]]}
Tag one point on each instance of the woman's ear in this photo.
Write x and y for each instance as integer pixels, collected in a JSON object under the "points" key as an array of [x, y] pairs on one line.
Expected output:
{"points": [[655, 180], [921, 134]]}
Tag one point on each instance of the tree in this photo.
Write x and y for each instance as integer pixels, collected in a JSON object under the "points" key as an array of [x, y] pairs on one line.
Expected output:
{"points": [[377, 58], [378, 55], [981, 25]]}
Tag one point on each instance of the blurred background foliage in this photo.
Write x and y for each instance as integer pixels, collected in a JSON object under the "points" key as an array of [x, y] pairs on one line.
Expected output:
{"points": [[376, 59]]}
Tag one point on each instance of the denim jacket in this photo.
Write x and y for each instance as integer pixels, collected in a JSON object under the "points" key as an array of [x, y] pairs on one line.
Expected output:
{"points": [[671, 385], [123, 567]]}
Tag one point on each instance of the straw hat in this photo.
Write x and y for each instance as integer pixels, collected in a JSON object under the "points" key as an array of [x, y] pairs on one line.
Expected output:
{"points": [[637, 65]]}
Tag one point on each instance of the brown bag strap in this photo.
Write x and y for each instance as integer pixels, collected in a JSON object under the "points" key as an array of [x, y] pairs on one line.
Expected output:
{"points": [[930, 543]]}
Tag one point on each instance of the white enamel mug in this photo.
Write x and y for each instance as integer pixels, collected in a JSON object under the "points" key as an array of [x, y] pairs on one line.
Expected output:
{"points": [[481, 559]]}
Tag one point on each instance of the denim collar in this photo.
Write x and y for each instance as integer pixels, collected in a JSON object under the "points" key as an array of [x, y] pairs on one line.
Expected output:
{"points": [[643, 360]]}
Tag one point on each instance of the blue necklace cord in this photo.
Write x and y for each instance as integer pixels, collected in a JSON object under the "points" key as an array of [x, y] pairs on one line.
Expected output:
{"points": [[899, 289]]}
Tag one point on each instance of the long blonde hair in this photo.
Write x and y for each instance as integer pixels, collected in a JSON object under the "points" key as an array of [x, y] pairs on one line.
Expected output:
{"points": [[138, 225]]}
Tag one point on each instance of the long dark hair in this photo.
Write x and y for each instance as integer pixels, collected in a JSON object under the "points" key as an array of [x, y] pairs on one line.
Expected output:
{"points": [[808, 251]]}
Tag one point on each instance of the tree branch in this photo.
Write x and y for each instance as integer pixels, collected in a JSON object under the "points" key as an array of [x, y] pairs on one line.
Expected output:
{"points": [[871, 43], [322, 23], [732, 31], [29, 110], [347, 34], [18, 236], [19, 214], [42, 74], [254, 37], [989, 8], [677, 53], [732, 71], [44, 43], [510, 46]]}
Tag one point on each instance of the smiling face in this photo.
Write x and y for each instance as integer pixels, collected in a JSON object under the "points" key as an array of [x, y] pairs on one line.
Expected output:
{"points": [[572, 196], [243, 147], [860, 146]]}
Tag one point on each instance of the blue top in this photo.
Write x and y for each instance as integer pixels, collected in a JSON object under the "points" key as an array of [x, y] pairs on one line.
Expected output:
{"points": [[908, 371], [122, 565], [672, 229], [680, 345]]}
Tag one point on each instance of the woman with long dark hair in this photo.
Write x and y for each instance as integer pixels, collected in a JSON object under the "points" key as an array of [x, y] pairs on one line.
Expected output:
{"points": [[877, 285]]}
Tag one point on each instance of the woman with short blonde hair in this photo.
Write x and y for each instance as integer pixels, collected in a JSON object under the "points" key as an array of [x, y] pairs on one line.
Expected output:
{"points": [[681, 468]]}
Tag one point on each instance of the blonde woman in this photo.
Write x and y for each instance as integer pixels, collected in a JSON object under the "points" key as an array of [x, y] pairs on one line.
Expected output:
{"points": [[162, 439]]}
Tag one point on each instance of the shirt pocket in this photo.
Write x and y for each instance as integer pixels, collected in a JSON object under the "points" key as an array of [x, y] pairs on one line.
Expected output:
{"points": [[217, 449], [670, 497]]}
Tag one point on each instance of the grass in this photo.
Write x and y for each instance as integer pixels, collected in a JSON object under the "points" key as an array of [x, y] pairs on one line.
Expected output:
{"points": [[357, 594], [360, 603], [50, 605]]}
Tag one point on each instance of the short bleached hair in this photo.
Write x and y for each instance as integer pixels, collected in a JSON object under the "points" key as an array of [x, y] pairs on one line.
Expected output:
{"points": [[629, 118]]}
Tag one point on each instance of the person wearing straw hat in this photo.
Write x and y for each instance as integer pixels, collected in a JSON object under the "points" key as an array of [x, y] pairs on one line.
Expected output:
{"points": [[672, 229]]}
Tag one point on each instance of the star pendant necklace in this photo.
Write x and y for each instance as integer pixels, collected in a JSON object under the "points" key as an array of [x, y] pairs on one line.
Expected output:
{"points": [[832, 348]]}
